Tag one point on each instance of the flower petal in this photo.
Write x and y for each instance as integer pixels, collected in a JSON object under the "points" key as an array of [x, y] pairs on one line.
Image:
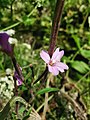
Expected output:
{"points": [[61, 66], [53, 70], [60, 69], [19, 82], [4, 37], [57, 55], [45, 56], [61, 53], [17, 77]]}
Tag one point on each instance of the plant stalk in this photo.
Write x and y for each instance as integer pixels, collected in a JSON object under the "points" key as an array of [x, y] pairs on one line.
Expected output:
{"points": [[55, 25]]}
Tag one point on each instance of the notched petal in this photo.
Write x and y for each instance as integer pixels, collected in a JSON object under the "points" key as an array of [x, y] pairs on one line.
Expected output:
{"points": [[45, 56], [61, 53], [62, 65], [55, 54], [53, 70]]}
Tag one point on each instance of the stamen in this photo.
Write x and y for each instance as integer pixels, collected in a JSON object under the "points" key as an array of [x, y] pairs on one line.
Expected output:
{"points": [[51, 62]]}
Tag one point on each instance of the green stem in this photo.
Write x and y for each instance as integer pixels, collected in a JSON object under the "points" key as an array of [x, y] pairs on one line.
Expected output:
{"points": [[11, 7], [11, 26], [16, 24], [40, 107]]}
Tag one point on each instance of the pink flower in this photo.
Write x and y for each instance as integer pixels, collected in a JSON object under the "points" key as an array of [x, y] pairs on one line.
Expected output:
{"points": [[54, 64]]}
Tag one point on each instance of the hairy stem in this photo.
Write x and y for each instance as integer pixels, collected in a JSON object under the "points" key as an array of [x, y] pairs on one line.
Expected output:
{"points": [[55, 25], [17, 68], [54, 31]]}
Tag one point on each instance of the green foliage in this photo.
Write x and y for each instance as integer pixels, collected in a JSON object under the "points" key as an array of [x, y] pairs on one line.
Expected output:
{"points": [[5, 111], [32, 20], [77, 40], [45, 90], [4, 3], [80, 66], [85, 53]]}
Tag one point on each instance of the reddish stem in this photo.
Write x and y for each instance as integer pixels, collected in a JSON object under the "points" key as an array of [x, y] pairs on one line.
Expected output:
{"points": [[55, 25], [17, 68], [16, 94]]}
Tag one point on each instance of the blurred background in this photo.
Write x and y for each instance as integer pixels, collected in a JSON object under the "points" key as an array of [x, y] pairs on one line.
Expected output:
{"points": [[31, 22]]}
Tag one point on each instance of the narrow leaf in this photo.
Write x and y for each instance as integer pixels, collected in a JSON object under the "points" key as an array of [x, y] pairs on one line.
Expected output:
{"points": [[5, 111], [45, 90], [80, 66], [77, 40], [85, 53]]}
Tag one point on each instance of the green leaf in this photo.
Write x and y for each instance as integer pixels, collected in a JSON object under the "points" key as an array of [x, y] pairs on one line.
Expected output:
{"points": [[77, 40], [5, 111], [80, 66], [85, 53], [21, 110], [45, 90], [28, 21]]}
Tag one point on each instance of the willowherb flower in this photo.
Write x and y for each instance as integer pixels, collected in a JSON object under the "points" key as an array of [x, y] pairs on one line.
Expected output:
{"points": [[17, 77], [5, 45], [53, 63]]}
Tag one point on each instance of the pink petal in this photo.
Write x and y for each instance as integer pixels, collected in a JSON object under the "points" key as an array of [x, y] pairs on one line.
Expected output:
{"points": [[45, 56], [57, 55], [53, 70], [61, 53], [60, 69], [61, 66]]}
